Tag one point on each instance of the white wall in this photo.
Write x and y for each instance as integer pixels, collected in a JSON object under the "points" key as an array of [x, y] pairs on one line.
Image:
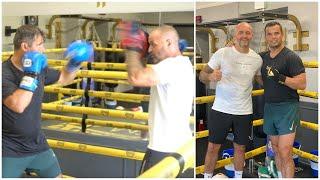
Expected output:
{"points": [[15, 22], [168, 17], [221, 12], [71, 27], [51, 8], [306, 12]]}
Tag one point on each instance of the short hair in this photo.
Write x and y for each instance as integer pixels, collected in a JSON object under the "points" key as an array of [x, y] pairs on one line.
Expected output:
{"points": [[166, 29], [273, 23], [233, 31], [28, 34], [244, 23]]}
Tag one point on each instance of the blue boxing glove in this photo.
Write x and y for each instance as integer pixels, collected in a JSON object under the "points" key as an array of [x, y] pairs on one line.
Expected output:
{"points": [[183, 44], [78, 52], [32, 64]]}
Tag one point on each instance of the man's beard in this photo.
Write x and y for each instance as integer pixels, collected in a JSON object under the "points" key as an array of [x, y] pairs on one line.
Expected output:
{"points": [[152, 59], [275, 45], [244, 44]]}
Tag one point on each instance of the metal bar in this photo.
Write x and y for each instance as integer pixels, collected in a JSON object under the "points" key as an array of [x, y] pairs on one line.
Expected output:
{"points": [[100, 94], [213, 38], [170, 24], [58, 50], [223, 162], [111, 81], [66, 100], [209, 99], [259, 122], [296, 22], [95, 149], [169, 167], [96, 111], [59, 85], [124, 125], [101, 112], [102, 74], [307, 64], [84, 28], [305, 154]]}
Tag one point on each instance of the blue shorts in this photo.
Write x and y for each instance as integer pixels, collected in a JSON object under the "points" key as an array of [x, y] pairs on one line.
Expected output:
{"points": [[281, 118], [44, 164]]}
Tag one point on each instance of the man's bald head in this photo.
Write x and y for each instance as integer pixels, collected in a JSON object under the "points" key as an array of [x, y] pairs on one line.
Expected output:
{"points": [[167, 32], [243, 25], [164, 43]]}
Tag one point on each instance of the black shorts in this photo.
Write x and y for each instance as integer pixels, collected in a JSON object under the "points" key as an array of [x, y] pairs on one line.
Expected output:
{"points": [[220, 124], [153, 157]]}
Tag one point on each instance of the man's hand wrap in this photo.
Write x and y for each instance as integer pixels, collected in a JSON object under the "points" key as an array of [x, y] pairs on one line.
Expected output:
{"points": [[274, 74]]}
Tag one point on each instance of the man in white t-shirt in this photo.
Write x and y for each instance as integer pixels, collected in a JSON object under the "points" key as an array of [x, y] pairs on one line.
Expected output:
{"points": [[172, 88], [234, 69]]}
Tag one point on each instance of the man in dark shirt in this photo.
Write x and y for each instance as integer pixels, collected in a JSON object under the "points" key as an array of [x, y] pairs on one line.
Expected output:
{"points": [[282, 74], [24, 75]]}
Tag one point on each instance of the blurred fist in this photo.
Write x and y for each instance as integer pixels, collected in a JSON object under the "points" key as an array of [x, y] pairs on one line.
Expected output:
{"points": [[133, 38], [78, 52]]}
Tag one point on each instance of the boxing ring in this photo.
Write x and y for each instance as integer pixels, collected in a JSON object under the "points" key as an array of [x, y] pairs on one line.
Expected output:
{"points": [[61, 50], [103, 72], [259, 122]]}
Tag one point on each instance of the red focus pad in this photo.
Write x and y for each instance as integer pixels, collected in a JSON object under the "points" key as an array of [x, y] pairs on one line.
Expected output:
{"points": [[133, 38]]}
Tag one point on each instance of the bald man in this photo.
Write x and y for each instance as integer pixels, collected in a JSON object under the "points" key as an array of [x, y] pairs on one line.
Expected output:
{"points": [[171, 93], [233, 69]]}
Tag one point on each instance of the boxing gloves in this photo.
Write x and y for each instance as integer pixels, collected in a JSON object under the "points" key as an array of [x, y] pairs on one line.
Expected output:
{"points": [[78, 52], [133, 38], [275, 75], [183, 44], [32, 64]]}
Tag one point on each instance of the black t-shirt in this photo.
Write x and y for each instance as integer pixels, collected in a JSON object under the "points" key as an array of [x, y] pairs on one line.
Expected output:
{"points": [[21, 132], [287, 63]]}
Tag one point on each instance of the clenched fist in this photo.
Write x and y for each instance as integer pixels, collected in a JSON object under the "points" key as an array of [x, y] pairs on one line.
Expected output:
{"points": [[216, 75]]}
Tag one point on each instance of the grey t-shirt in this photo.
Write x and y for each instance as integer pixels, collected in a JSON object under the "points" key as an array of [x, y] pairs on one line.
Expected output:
{"points": [[21, 132]]}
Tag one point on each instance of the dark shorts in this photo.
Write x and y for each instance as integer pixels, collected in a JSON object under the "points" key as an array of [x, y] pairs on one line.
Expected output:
{"points": [[151, 158], [44, 164], [220, 124], [281, 118]]}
